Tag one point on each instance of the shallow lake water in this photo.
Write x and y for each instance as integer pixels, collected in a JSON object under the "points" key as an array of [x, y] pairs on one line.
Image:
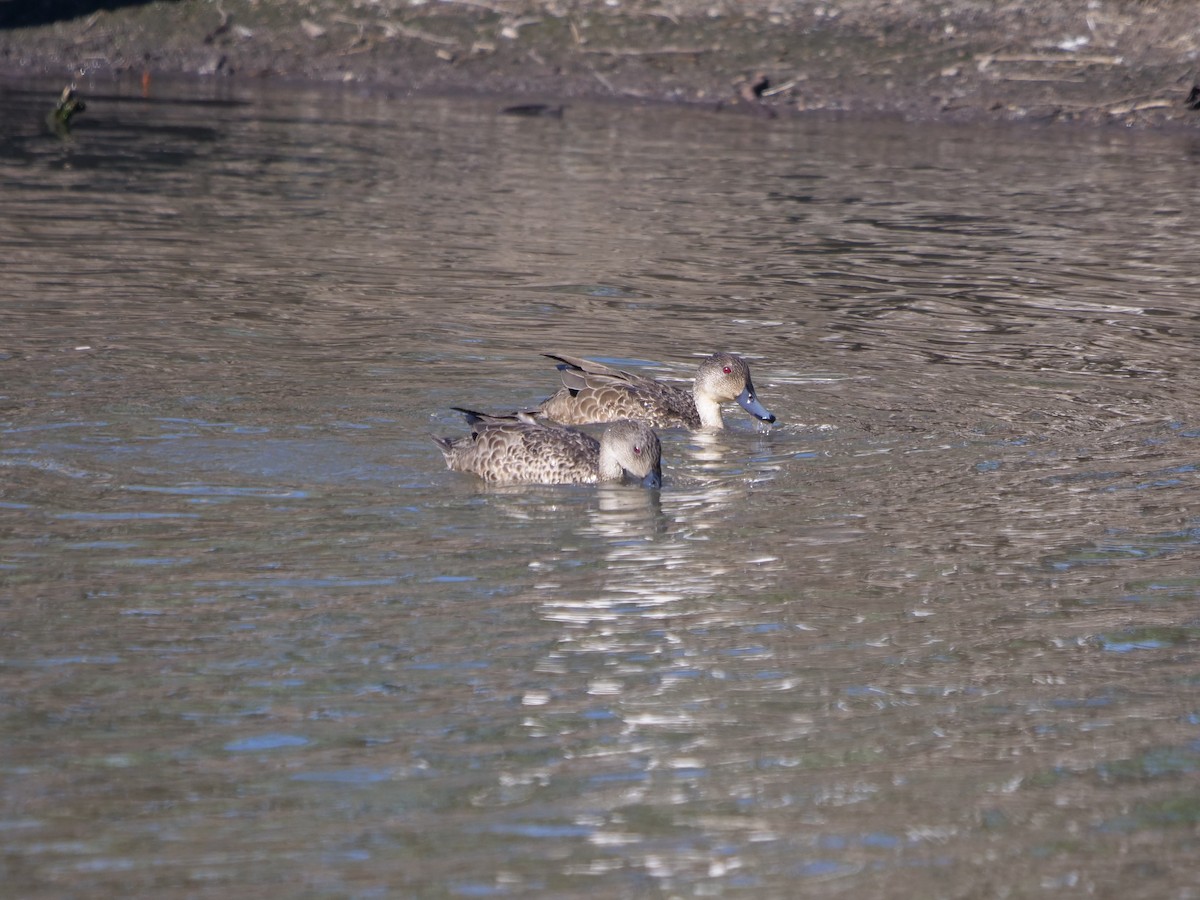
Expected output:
{"points": [[936, 633]]}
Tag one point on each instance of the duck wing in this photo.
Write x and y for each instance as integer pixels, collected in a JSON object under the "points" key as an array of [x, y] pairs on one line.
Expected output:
{"points": [[594, 392]]}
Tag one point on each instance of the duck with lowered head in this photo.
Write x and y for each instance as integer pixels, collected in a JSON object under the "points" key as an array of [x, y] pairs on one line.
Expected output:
{"points": [[518, 449]]}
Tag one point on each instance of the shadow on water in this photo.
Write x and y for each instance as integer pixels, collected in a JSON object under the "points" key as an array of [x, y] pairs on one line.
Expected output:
{"points": [[113, 135], [25, 14]]}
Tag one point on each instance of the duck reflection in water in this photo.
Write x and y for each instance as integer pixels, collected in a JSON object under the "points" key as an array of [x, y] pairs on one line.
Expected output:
{"points": [[518, 449], [627, 516]]}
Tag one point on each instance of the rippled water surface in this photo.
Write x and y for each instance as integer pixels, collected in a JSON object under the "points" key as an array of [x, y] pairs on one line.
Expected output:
{"points": [[934, 634]]}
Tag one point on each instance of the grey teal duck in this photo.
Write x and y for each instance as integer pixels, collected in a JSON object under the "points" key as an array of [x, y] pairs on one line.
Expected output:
{"points": [[593, 392], [519, 449]]}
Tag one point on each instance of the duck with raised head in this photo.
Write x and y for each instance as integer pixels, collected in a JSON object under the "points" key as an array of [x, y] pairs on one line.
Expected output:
{"points": [[593, 392], [519, 449]]}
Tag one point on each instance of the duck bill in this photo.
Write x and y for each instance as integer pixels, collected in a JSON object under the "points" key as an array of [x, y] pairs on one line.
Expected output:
{"points": [[747, 401], [653, 479]]}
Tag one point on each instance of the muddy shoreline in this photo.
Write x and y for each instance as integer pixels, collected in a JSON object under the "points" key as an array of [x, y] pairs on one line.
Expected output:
{"points": [[1094, 61]]}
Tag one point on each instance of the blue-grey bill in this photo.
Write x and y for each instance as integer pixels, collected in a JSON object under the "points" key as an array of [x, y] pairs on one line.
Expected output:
{"points": [[652, 480], [747, 401]]}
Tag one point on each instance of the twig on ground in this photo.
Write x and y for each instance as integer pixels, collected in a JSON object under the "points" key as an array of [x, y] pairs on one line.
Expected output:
{"points": [[656, 51], [1022, 76], [496, 8], [226, 20], [1054, 60], [417, 35], [786, 86], [1157, 103], [604, 81]]}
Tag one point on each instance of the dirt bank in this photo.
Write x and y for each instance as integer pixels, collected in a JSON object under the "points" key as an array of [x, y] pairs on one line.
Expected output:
{"points": [[1098, 61]]}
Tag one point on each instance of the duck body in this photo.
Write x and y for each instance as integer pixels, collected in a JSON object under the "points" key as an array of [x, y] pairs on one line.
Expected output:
{"points": [[593, 392], [518, 449]]}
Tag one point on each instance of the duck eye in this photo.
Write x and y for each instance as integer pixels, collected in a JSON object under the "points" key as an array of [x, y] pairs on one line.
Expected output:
{"points": [[727, 369], [637, 450]]}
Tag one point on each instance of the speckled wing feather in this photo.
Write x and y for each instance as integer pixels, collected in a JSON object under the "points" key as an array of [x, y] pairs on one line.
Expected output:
{"points": [[593, 392], [515, 449], [560, 455]]}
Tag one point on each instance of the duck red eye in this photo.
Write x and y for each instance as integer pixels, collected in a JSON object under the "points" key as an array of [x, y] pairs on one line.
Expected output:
{"points": [[727, 369], [637, 450]]}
